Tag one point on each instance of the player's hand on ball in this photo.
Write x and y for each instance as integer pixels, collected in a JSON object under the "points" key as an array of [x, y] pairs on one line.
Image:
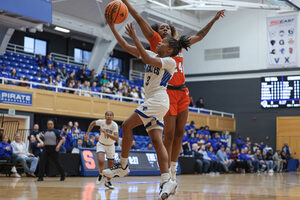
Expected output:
{"points": [[130, 30], [220, 14]]}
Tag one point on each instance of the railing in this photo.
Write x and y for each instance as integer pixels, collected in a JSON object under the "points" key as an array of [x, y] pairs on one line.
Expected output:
{"points": [[18, 49], [105, 96], [80, 92]]}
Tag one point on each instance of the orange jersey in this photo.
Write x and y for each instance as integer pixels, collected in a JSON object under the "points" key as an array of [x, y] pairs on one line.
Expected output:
{"points": [[178, 77]]}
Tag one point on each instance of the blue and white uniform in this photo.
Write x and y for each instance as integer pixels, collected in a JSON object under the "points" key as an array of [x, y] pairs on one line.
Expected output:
{"points": [[156, 104]]}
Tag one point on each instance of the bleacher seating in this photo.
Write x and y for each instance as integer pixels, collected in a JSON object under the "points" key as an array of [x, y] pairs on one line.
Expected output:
{"points": [[27, 67]]}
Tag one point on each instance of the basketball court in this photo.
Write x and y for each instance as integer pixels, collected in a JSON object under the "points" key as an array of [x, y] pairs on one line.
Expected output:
{"points": [[192, 187]]}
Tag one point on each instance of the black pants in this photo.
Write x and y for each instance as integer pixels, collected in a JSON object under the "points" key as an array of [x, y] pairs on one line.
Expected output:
{"points": [[49, 152]]}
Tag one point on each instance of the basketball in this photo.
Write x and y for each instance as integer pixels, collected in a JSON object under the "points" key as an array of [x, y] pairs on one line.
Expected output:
{"points": [[116, 11]]}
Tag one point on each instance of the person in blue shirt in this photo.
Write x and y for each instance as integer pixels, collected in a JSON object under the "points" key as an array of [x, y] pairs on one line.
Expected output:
{"points": [[200, 131], [215, 164], [36, 145], [216, 142], [240, 144], [185, 144], [224, 139], [262, 146], [5, 149], [193, 139], [245, 160], [68, 138], [206, 130]]}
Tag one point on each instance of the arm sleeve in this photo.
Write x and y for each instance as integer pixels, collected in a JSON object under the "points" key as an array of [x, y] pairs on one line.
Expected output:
{"points": [[15, 150], [154, 40], [99, 122], [168, 64]]}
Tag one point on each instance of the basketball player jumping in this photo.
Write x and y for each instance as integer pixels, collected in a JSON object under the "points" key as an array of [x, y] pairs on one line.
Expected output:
{"points": [[106, 144], [159, 70], [177, 115]]}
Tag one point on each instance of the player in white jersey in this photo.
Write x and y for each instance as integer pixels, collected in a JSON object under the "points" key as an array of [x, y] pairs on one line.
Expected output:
{"points": [[159, 70], [106, 145]]}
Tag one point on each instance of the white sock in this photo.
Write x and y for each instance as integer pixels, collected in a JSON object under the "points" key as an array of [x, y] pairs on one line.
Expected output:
{"points": [[124, 162], [165, 177], [173, 166]]}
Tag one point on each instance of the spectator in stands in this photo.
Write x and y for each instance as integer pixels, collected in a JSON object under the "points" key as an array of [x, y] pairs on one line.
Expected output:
{"points": [[215, 165], [13, 75], [261, 160], [50, 81], [244, 159], [110, 84], [6, 152], [216, 142], [285, 160], [94, 88], [20, 154], [200, 103], [50, 68], [234, 157], [48, 61], [58, 81], [71, 78], [53, 142], [133, 146], [278, 162], [81, 74], [193, 139], [105, 89], [149, 147], [96, 139], [134, 93], [70, 85], [269, 161], [116, 84], [93, 77], [103, 79], [35, 131], [39, 60], [207, 161], [248, 143], [64, 74], [87, 142], [199, 158], [185, 144], [36, 145], [4, 73], [86, 88], [191, 102], [76, 130], [206, 130], [223, 159], [142, 93], [262, 146], [240, 144], [75, 149], [68, 138], [23, 84], [287, 150]]}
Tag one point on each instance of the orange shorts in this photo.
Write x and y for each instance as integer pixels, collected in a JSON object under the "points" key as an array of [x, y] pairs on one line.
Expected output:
{"points": [[179, 101]]}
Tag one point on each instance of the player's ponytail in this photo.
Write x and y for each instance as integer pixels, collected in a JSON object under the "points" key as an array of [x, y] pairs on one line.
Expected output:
{"points": [[177, 45]]}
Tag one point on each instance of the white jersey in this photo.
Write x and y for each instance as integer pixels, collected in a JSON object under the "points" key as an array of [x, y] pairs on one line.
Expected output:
{"points": [[109, 128], [156, 79]]}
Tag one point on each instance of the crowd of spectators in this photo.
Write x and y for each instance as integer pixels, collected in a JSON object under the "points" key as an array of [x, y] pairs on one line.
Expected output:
{"points": [[85, 80], [198, 104], [214, 153]]}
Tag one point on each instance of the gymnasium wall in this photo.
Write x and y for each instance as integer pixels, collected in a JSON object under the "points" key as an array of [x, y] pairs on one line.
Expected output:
{"points": [[242, 97], [246, 29]]}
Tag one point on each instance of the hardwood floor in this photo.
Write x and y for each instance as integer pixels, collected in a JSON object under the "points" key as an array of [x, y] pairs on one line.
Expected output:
{"points": [[191, 187]]}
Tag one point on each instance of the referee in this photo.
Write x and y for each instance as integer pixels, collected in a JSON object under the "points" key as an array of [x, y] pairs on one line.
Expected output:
{"points": [[52, 142]]}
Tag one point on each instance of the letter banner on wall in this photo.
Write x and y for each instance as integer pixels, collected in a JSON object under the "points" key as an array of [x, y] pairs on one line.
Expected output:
{"points": [[141, 163], [282, 41], [18, 98]]}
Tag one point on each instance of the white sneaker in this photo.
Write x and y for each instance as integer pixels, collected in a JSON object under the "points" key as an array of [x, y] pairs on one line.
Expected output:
{"points": [[116, 171], [17, 175], [166, 189], [109, 185], [173, 174], [99, 179], [13, 169], [271, 171]]}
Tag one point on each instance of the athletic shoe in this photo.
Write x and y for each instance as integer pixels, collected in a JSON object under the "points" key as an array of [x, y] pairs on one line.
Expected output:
{"points": [[166, 189], [99, 179], [40, 179], [30, 174], [62, 178], [271, 171], [13, 169], [17, 175], [173, 174], [109, 185], [116, 171]]}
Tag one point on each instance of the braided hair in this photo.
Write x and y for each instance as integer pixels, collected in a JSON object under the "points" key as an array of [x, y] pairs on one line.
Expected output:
{"points": [[177, 45]]}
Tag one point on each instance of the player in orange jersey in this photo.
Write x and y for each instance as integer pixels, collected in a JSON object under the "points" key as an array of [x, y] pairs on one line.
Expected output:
{"points": [[177, 115]]}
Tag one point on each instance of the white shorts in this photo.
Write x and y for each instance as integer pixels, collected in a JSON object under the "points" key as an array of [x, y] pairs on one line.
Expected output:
{"points": [[109, 150], [152, 113]]}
